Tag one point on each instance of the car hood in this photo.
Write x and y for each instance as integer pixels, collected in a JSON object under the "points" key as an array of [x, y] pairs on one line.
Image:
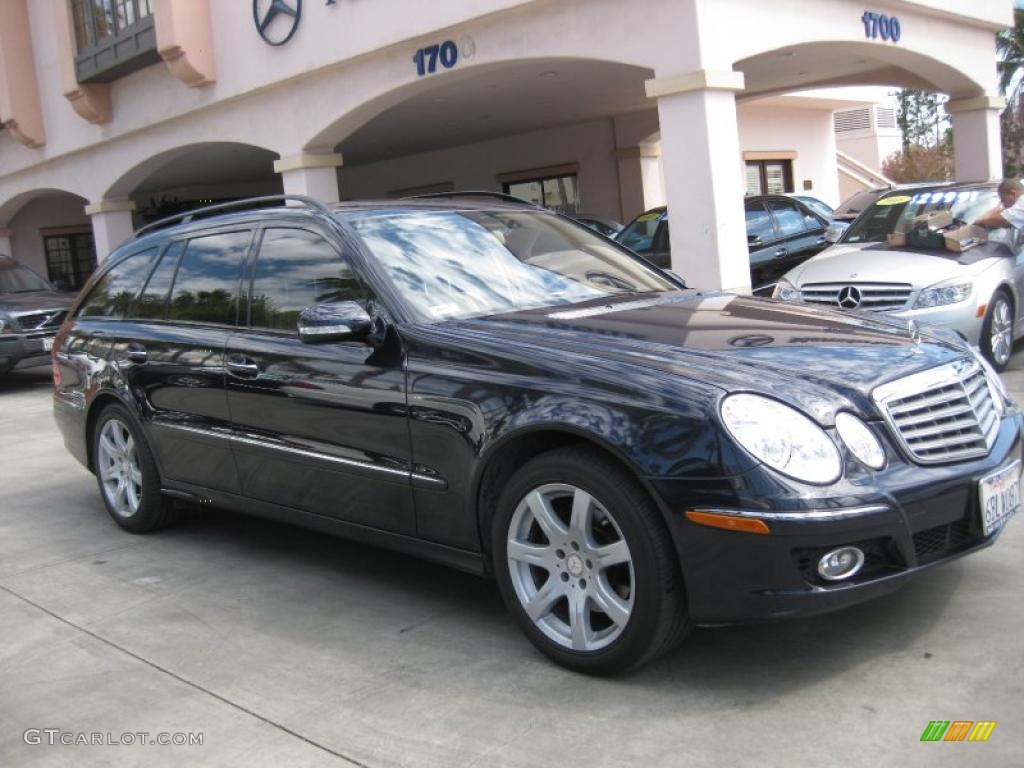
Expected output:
{"points": [[823, 359], [36, 301], [877, 262]]}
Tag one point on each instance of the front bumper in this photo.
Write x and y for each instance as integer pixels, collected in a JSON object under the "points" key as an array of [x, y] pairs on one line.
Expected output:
{"points": [[19, 351], [907, 519], [961, 317]]}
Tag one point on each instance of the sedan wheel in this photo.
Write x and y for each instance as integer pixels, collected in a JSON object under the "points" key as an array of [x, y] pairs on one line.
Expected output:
{"points": [[585, 562], [571, 567], [997, 331], [118, 467]]}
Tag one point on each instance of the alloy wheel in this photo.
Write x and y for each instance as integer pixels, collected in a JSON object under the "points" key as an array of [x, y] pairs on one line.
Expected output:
{"points": [[571, 567], [1001, 338], [118, 464]]}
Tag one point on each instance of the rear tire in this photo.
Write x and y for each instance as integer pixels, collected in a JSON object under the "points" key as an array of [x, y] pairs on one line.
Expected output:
{"points": [[126, 473], [997, 330], [585, 564]]}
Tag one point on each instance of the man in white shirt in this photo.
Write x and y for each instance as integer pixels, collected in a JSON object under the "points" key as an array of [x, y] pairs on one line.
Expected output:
{"points": [[1011, 213]]}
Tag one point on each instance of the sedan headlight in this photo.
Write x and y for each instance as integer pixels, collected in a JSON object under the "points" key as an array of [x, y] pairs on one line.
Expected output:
{"points": [[942, 294], [786, 291], [858, 437], [782, 437]]}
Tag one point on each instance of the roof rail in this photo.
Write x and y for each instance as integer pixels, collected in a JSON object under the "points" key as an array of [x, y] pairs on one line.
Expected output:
{"points": [[475, 193], [186, 216]]}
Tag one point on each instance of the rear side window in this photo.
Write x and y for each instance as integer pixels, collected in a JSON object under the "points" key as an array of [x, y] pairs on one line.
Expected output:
{"points": [[152, 303], [205, 287], [114, 292], [787, 218], [759, 223], [296, 269]]}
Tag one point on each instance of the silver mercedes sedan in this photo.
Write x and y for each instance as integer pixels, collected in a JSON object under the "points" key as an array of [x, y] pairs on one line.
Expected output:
{"points": [[909, 256]]}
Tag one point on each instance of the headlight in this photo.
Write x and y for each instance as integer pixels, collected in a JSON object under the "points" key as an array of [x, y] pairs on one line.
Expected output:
{"points": [[786, 291], [861, 441], [942, 294], [782, 437], [1000, 395]]}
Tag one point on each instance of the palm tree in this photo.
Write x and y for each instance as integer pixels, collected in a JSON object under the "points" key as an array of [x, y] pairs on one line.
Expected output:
{"points": [[1010, 48]]}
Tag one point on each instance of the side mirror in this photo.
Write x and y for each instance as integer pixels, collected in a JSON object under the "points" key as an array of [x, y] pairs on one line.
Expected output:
{"points": [[334, 321], [833, 233], [754, 241]]}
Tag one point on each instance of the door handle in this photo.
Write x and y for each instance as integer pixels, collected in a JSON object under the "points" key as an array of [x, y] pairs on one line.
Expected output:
{"points": [[136, 353], [820, 241], [239, 365], [781, 252]]}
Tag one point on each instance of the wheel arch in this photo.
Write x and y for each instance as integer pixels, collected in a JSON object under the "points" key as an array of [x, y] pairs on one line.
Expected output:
{"points": [[97, 405], [513, 450]]}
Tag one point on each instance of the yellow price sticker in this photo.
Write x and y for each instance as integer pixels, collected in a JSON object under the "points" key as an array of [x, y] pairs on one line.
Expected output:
{"points": [[894, 200]]}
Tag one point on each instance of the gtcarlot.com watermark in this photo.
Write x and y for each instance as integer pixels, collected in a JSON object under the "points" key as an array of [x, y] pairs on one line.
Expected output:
{"points": [[55, 737]]}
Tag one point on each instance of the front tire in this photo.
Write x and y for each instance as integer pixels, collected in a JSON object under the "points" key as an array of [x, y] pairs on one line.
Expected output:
{"points": [[585, 565], [126, 472], [997, 330]]}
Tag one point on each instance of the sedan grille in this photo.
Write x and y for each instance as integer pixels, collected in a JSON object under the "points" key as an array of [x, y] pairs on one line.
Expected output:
{"points": [[879, 297], [941, 415], [40, 321]]}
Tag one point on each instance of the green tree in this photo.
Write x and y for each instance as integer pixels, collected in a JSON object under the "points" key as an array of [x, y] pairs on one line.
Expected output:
{"points": [[1010, 49]]}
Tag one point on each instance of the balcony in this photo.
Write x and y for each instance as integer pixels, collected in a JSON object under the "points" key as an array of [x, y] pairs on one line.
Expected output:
{"points": [[114, 38]]}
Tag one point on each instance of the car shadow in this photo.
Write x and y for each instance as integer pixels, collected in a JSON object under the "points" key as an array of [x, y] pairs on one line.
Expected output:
{"points": [[720, 666]]}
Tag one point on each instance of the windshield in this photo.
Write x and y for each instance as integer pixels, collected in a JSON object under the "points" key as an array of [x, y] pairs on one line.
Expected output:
{"points": [[16, 278], [639, 235], [854, 205], [896, 211], [456, 264]]}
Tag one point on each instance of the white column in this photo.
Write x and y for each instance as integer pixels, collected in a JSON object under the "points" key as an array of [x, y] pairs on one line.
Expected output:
{"points": [[111, 224], [5, 242], [314, 175], [700, 153], [977, 146]]}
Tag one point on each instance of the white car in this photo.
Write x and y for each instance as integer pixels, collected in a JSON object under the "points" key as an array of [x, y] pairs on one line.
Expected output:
{"points": [[978, 292]]}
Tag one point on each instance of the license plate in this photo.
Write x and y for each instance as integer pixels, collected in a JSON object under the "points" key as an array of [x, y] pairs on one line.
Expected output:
{"points": [[1000, 497], [47, 343]]}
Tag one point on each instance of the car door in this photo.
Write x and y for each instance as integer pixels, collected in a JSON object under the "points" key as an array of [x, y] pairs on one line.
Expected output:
{"points": [[762, 242], [184, 315], [318, 427]]}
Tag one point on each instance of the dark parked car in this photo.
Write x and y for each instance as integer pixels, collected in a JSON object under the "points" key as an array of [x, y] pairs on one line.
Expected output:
{"points": [[781, 233], [498, 388], [31, 311]]}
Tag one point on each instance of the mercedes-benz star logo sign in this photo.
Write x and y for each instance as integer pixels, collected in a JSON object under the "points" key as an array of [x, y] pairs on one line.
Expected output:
{"points": [[849, 297], [276, 20]]}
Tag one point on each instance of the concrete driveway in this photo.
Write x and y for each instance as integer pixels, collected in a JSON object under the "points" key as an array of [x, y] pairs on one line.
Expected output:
{"points": [[282, 647]]}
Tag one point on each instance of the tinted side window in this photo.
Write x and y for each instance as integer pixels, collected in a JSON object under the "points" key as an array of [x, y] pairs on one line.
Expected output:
{"points": [[206, 286], [296, 269], [759, 223], [114, 292], [788, 219], [153, 300]]}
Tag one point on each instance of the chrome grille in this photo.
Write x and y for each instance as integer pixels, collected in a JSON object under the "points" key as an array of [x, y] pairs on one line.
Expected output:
{"points": [[943, 414], [879, 297], [39, 321]]}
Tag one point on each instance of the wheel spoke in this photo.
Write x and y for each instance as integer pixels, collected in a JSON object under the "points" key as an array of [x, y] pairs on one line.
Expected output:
{"points": [[121, 495], [118, 434], [608, 555], [107, 444], [540, 604], [136, 475], [545, 516], [533, 554], [129, 447], [579, 622], [582, 514], [608, 601], [108, 470]]}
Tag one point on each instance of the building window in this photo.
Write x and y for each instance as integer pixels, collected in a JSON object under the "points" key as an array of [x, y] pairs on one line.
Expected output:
{"points": [[70, 259], [559, 193], [769, 177], [114, 38]]}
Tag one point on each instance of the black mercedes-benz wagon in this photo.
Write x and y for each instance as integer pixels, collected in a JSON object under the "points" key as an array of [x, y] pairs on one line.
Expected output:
{"points": [[496, 387]]}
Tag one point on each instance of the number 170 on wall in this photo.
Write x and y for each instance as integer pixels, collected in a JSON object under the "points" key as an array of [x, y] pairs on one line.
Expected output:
{"points": [[427, 58]]}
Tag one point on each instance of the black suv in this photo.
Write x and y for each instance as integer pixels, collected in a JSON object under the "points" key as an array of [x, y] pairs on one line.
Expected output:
{"points": [[496, 387], [31, 311]]}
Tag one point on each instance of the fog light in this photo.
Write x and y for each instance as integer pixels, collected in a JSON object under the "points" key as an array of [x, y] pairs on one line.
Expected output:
{"points": [[840, 563]]}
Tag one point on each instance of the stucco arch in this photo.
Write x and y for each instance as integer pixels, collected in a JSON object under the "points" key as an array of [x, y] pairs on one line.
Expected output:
{"points": [[822, 64], [11, 206], [368, 106], [194, 160]]}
